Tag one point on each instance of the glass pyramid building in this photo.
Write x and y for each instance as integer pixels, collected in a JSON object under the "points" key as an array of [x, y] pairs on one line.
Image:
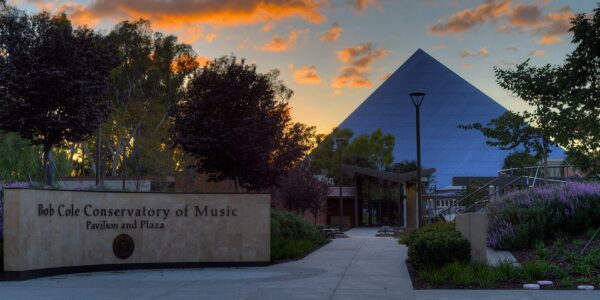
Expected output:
{"points": [[450, 101]]}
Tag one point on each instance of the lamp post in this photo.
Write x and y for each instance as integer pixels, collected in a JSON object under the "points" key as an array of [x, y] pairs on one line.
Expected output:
{"points": [[417, 99], [98, 158], [338, 142]]}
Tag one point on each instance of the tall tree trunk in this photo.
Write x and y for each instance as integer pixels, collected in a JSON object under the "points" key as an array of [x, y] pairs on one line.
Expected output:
{"points": [[47, 167], [116, 159], [86, 150], [73, 150]]}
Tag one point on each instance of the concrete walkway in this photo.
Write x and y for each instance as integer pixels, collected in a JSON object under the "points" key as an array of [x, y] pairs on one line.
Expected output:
{"points": [[359, 267]]}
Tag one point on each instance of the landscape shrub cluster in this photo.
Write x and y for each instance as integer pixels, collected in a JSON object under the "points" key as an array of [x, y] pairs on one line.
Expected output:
{"points": [[436, 245], [292, 236], [521, 218]]}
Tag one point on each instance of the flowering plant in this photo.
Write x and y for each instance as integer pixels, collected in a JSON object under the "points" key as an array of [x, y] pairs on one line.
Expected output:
{"points": [[520, 218]]}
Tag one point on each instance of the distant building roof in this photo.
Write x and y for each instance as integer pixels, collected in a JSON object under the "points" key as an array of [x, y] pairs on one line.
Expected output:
{"points": [[389, 176]]}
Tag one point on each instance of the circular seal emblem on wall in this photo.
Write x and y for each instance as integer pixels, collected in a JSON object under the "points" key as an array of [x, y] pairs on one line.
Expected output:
{"points": [[123, 246]]}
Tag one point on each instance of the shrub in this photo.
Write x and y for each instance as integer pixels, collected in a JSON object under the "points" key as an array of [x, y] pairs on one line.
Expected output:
{"points": [[521, 218], [566, 282], [438, 227], [437, 245], [292, 236], [469, 274], [535, 270]]}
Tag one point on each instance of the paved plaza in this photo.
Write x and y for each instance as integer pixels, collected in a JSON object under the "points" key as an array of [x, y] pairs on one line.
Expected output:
{"points": [[359, 267]]}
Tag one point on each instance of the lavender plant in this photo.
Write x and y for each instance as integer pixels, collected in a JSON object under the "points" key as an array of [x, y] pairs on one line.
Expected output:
{"points": [[520, 218]]}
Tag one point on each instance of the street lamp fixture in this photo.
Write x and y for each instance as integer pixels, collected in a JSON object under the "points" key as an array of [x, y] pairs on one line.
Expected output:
{"points": [[417, 99], [338, 142]]}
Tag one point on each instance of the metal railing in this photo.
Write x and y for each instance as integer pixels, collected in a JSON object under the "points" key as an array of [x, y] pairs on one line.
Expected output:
{"points": [[457, 207], [530, 174], [441, 215], [478, 204]]}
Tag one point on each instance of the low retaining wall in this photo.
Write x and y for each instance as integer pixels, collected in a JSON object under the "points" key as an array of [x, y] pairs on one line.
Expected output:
{"points": [[53, 231], [473, 226]]}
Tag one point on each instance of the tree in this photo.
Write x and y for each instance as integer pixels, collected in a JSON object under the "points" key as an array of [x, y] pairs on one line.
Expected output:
{"points": [[53, 79], [19, 160], [510, 131], [149, 79], [300, 191], [325, 159], [519, 160], [373, 150], [565, 98], [236, 123], [541, 88], [578, 111], [403, 166]]}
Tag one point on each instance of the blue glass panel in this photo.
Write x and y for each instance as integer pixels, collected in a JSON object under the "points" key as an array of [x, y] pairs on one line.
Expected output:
{"points": [[450, 101]]}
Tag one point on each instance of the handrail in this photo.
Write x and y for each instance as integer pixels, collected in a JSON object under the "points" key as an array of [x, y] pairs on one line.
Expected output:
{"points": [[467, 196], [535, 176], [534, 167], [440, 215], [487, 198]]}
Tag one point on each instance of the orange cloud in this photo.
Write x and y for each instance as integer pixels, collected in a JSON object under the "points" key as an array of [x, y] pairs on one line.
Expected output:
{"points": [[332, 34], [183, 61], [279, 43], [361, 5], [467, 66], [202, 61], [549, 39], [219, 12], [190, 34], [483, 52], [211, 37], [185, 12], [521, 18], [537, 53], [464, 20], [526, 15], [357, 64], [385, 77], [307, 75]]}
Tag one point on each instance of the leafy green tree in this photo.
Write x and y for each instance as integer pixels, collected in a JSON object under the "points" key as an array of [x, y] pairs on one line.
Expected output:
{"points": [[149, 80], [325, 159], [565, 100], [541, 88], [236, 123], [510, 131], [20, 160], [373, 150], [53, 79], [519, 160], [403, 166], [578, 111]]}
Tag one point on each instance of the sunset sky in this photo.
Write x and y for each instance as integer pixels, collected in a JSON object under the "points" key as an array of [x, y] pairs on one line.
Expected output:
{"points": [[334, 53]]}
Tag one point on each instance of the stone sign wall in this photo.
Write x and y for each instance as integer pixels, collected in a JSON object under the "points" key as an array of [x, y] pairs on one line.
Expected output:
{"points": [[45, 229]]}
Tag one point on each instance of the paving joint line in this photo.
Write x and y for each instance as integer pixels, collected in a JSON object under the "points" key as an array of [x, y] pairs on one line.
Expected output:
{"points": [[346, 271]]}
